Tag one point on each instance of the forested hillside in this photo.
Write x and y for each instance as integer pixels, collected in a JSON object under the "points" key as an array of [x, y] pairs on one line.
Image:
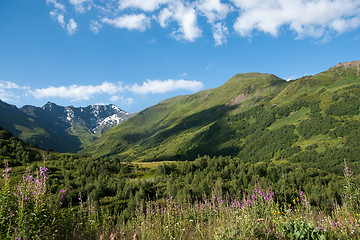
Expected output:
{"points": [[15, 152], [69, 196]]}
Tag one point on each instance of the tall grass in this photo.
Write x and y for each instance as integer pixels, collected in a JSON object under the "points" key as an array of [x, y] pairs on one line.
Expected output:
{"points": [[29, 211]]}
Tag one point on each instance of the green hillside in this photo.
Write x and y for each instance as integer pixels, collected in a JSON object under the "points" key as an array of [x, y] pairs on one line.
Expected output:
{"points": [[166, 129], [254, 116], [15, 152]]}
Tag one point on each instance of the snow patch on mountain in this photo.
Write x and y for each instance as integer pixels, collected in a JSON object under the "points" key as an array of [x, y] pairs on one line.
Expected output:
{"points": [[96, 118]]}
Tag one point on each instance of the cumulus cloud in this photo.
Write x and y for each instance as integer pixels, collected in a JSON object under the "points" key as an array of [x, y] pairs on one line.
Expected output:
{"points": [[213, 10], [145, 5], [70, 27], [163, 86], [306, 18], [132, 22], [56, 5], [76, 93], [220, 32], [86, 92], [95, 26], [185, 16], [81, 6]]}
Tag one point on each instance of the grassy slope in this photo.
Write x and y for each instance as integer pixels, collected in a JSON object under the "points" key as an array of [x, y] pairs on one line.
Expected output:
{"points": [[174, 121], [180, 127]]}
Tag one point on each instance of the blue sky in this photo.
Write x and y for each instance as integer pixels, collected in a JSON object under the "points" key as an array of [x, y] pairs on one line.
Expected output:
{"points": [[136, 53]]}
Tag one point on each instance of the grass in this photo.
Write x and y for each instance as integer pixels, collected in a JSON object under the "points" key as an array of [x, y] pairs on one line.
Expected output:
{"points": [[322, 141], [174, 118], [85, 135], [293, 118]]}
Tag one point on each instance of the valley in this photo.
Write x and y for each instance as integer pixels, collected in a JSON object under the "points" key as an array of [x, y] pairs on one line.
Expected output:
{"points": [[256, 153]]}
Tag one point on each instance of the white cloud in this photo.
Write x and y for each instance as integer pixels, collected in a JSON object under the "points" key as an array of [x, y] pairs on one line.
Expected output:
{"points": [[306, 18], [95, 26], [56, 5], [71, 27], [213, 9], [124, 101], [185, 16], [114, 98], [131, 22], [145, 5], [76, 92], [10, 91], [220, 32], [164, 17], [164, 86], [86, 92], [343, 25], [10, 85], [59, 18], [8, 96], [81, 6]]}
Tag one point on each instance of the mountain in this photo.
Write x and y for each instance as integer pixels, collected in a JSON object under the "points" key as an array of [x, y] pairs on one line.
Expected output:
{"points": [[254, 116], [64, 129], [96, 118], [166, 129]]}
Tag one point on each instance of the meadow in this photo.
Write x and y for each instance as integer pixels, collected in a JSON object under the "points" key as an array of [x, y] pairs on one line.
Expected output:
{"points": [[29, 210]]}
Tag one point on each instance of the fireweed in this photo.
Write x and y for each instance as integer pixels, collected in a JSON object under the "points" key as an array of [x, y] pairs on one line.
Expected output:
{"points": [[29, 211], [246, 216]]}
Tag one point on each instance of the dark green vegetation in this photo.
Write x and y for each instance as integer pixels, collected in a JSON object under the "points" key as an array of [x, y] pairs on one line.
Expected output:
{"points": [[15, 151], [222, 197]]}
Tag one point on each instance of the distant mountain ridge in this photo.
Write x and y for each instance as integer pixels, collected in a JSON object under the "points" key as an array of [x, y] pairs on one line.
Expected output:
{"points": [[64, 129], [96, 118]]}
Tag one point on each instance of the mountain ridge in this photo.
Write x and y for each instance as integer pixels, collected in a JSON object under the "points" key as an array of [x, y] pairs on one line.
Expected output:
{"points": [[64, 129], [185, 126]]}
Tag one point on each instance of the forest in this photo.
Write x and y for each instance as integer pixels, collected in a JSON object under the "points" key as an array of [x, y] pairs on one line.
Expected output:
{"points": [[47, 195]]}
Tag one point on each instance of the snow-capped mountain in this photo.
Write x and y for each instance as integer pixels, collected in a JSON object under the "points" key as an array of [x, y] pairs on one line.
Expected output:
{"points": [[65, 129], [96, 118]]}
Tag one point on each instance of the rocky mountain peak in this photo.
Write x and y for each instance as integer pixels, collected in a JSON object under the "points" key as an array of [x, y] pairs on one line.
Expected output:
{"points": [[96, 118], [345, 65]]}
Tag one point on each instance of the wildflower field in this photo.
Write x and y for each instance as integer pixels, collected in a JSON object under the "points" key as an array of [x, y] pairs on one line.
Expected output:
{"points": [[29, 210]]}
